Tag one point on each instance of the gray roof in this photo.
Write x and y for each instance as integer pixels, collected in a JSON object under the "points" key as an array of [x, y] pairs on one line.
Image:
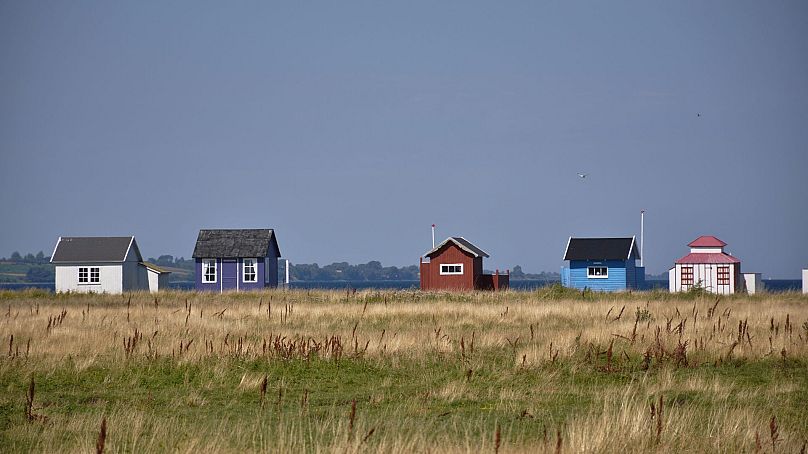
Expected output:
{"points": [[460, 242], [236, 243], [601, 249], [93, 249]]}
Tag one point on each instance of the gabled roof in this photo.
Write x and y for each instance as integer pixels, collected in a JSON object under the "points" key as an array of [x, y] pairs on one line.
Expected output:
{"points": [[709, 257], [460, 242], [707, 241], [71, 249], [235, 243], [601, 249]]}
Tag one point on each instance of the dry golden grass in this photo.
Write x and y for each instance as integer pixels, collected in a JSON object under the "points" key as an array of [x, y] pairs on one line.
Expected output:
{"points": [[430, 372]]}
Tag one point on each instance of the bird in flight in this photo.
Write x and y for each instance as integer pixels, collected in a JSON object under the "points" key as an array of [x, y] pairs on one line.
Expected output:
{"points": [[582, 175]]}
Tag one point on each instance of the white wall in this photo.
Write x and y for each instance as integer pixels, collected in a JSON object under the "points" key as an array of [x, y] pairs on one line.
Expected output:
{"points": [[753, 283], [804, 281], [111, 276], [707, 274], [154, 280]]}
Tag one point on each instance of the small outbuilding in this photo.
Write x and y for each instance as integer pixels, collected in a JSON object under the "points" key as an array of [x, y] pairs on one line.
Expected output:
{"points": [[709, 267], [457, 264], [236, 259], [103, 265], [602, 264]]}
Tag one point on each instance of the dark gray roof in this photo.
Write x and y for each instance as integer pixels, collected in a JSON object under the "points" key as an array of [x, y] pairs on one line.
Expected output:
{"points": [[235, 243], [460, 242], [601, 249], [93, 249]]}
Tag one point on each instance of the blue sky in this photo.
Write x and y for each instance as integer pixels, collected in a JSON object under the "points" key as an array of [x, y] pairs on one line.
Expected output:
{"points": [[351, 127]]}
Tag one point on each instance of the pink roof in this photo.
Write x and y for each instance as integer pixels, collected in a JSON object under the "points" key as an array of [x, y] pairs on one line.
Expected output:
{"points": [[711, 257], [707, 241]]}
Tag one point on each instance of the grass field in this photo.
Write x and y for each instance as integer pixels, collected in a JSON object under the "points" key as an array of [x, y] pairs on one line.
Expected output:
{"points": [[325, 371]]}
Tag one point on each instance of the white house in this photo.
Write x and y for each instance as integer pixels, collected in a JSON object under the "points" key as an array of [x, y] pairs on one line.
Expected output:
{"points": [[104, 265], [708, 266]]}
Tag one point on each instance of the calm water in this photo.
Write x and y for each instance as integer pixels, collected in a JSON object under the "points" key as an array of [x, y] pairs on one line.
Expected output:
{"points": [[772, 285]]}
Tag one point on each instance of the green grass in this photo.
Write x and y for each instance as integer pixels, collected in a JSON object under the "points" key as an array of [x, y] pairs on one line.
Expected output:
{"points": [[412, 399]]}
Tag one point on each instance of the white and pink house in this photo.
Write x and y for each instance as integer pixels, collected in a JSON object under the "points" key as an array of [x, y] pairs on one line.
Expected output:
{"points": [[708, 266]]}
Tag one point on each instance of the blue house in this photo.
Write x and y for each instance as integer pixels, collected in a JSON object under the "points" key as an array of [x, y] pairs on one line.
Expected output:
{"points": [[236, 259], [602, 264]]}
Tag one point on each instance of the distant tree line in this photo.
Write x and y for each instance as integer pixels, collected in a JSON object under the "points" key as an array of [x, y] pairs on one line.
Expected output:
{"points": [[342, 271], [38, 269], [39, 258]]}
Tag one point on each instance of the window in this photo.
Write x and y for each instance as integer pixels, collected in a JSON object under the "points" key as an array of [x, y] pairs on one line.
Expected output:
{"points": [[450, 269], [209, 271], [84, 275], [687, 275], [723, 275], [250, 271], [597, 272], [89, 275]]}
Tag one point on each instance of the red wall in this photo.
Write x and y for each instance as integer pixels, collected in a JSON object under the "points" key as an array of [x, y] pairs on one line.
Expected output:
{"points": [[431, 278]]}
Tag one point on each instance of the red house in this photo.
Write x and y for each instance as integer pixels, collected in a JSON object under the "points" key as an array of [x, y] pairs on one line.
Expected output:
{"points": [[456, 264]]}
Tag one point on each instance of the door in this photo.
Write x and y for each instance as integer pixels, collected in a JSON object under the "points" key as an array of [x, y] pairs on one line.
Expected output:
{"points": [[229, 274]]}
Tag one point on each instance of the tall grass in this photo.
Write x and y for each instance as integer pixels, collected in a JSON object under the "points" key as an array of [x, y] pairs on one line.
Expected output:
{"points": [[553, 370]]}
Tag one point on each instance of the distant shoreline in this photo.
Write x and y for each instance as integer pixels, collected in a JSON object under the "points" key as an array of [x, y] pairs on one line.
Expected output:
{"points": [[771, 285]]}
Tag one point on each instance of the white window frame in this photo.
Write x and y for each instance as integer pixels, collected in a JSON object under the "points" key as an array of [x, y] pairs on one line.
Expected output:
{"points": [[254, 267], [591, 275], [451, 273], [92, 275], [206, 265], [86, 278]]}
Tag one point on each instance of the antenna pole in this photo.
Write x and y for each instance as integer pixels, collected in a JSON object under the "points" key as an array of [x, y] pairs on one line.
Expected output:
{"points": [[642, 236], [433, 236]]}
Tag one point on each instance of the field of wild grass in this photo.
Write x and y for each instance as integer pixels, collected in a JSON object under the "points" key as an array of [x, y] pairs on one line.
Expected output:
{"points": [[325, 371]]}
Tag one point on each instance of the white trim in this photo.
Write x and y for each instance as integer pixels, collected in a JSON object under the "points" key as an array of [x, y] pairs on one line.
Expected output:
{"points": [[131, 240], [566, 249], [204, 274], [451, 273], [89, 275], [631, 248], [54, 249], [459, 245], [244, 270], [593, 276]]}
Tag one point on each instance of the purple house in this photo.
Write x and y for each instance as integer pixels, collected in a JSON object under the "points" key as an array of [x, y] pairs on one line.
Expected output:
{"points": [[236, 259]]}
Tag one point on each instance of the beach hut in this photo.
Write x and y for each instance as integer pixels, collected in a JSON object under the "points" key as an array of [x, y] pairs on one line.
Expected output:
{"points": [[457, 264], [602, 264], [236, 259], [707, 266], [103, 265]]}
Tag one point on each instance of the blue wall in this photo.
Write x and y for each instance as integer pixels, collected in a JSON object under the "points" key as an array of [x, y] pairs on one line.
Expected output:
{"points": [[616, 281], [230, 281]]}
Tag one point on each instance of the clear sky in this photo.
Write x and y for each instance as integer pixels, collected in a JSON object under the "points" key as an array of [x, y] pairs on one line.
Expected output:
{"points": [[351, 127]]}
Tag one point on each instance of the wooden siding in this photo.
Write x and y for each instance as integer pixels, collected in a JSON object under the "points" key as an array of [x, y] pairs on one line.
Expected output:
{"points": [[706, 274], [110, 275], [614, 283], [431, 279], [233, 272]]}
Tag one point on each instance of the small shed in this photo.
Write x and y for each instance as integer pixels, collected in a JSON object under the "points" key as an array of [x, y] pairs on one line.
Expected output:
{"points": [[236, 259], [805, 281], [602, 264], [102, 265], [707, 266], [457, 264], [157, 276]]}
